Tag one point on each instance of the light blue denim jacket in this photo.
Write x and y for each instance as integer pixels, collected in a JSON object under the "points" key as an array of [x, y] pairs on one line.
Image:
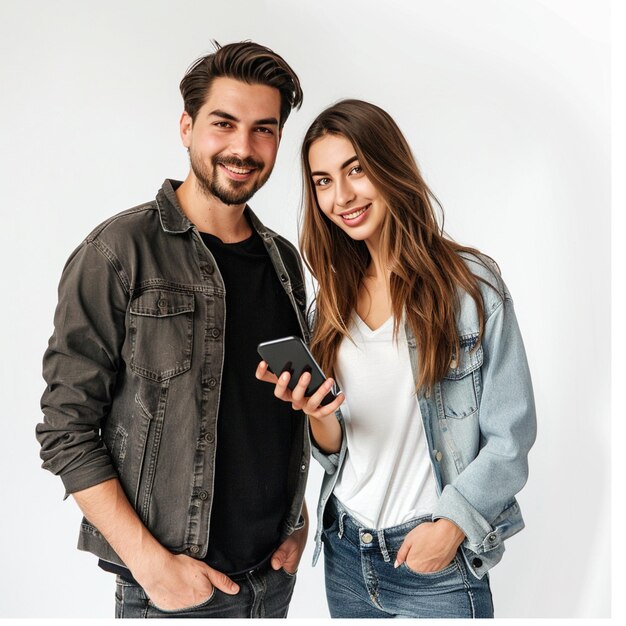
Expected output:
{"points": [[480, 424]]}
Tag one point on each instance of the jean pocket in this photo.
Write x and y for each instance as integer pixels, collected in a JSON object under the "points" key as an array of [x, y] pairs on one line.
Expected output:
{"points": [[161, 333], [452, 568], [185, 609], [288, 574]]}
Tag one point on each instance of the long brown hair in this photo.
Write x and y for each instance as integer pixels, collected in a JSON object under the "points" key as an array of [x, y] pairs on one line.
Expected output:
{"points": [[426, 269]]}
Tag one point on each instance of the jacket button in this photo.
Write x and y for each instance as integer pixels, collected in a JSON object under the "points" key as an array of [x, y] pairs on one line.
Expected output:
{"points": [[209, 437], [162, 303], [439, 455], [476, 562], [492, 537], [283, 278], [203, 495], [194, 549], [215, 332], [211, 383], [208, 268]]}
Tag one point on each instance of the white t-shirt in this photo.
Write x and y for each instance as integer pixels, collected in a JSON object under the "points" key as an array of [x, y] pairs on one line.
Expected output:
{"points": [[387, 477]]}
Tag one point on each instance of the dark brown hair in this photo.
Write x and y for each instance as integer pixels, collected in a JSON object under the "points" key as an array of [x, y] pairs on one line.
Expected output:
{"points": [[426, 267], [248, 62]]}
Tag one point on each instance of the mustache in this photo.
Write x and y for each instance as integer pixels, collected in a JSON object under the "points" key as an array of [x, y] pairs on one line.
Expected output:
{"points": [[235, 162]]}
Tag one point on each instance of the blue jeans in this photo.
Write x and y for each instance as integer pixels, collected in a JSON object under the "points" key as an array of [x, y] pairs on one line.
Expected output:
{"points": [[263, 593], [361, 580]]}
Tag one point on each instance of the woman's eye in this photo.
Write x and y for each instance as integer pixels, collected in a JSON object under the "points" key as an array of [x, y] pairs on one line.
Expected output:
{"points": [[321, 182], [357, 169]]}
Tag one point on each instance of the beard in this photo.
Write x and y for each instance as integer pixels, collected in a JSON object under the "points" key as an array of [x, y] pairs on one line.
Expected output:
{"points": [[228, 191]]}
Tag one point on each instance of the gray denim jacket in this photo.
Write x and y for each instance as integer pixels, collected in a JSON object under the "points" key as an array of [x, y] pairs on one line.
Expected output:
{"points": [[134, 366], [480, 423]]}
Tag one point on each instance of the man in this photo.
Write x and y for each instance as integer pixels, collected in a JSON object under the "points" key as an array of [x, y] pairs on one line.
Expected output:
{"points": [[189, 472]]}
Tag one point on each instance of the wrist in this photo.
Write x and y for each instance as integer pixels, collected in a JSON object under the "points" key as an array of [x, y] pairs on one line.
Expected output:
{"points": [[451, 529]]}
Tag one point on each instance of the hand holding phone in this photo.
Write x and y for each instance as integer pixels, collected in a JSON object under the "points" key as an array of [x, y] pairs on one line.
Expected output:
{"points": [[290, 354]]}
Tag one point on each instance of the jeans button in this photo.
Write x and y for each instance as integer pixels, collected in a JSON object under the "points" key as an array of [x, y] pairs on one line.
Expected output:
{"points": [[366, 538]]}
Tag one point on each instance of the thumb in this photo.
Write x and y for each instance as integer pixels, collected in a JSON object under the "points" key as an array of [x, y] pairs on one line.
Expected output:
{"points": [[278, 558], [402, 553], [222, 582]]}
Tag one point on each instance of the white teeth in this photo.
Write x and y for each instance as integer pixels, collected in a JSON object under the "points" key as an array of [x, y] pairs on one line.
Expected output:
{"points": [[351, 216], [237, 170]]}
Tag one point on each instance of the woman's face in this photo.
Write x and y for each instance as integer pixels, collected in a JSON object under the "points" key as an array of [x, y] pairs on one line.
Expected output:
{"points": [[344, 193]]}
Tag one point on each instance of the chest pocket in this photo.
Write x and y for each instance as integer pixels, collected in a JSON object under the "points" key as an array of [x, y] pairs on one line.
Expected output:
{"points": [[460, 386], [161, 332]]}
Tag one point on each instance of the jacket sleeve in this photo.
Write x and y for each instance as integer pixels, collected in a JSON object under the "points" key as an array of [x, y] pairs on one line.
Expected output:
{"points": [[80, 367], [330, 462], [507, 421]]}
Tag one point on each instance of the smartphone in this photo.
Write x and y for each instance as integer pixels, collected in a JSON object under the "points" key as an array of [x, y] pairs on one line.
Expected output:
{"points": [[290, 354]]}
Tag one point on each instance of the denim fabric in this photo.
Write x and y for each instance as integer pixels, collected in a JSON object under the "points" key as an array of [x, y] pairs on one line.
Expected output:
{"points": [[361, 580], [134, 367], [480, 424], [263, 593]]}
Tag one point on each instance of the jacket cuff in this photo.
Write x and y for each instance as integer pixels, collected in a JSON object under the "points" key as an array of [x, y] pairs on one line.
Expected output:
{"points": [[480, 535], [330, 462], [85, 477]]}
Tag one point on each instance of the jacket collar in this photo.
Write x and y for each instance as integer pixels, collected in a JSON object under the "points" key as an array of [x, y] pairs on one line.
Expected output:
{"points": [[174, 221]]}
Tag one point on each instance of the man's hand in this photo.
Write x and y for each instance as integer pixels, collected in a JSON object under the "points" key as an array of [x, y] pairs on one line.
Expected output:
{"points": [[180, 582], [171, 581], [290, 551], [431, 546]]}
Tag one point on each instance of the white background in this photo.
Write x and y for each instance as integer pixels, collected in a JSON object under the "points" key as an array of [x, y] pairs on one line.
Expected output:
{"points": [[506, 104]]}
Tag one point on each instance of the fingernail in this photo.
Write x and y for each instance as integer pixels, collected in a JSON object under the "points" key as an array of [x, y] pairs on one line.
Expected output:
{"points": [[396, 564]]}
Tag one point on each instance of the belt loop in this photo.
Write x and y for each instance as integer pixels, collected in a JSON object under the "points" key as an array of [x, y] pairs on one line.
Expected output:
{"points": [[341, 516], [383, 546]]}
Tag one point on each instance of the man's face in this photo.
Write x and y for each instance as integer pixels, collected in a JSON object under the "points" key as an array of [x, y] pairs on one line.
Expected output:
{"points": [[234, 139]]}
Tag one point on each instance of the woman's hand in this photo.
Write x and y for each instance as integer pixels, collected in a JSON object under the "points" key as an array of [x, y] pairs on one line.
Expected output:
{"points": [[431, 546], [310, 405]]}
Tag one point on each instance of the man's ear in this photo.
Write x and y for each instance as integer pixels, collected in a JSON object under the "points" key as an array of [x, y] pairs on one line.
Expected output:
{"points": [[186, 125]]}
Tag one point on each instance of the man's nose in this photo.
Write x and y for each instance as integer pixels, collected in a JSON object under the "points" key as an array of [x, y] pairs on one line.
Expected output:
{"points": [[240, 145]]}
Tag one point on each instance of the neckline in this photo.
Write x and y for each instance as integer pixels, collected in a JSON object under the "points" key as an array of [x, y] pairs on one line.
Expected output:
{"points": [[371, 331]]}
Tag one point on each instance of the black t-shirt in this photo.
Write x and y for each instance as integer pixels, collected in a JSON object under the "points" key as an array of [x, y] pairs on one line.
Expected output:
{"points": [[255, 432], [254, 428]]}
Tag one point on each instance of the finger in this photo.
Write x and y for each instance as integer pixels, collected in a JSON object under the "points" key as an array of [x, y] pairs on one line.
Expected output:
{"points": [[278, 558], [402, 553], [314, 403], [297, 394], [263, 373], [281, 391], [222, 582]]}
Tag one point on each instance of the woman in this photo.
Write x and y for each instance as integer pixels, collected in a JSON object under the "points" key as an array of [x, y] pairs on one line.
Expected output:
{"points": [[429, 448]]}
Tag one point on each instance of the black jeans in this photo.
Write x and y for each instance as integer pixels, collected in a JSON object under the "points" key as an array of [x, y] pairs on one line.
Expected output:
{"points": [[263, 593]]}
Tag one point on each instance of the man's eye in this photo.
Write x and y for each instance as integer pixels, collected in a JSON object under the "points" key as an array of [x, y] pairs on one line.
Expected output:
{"points": [[265, 131], [222, 124]]}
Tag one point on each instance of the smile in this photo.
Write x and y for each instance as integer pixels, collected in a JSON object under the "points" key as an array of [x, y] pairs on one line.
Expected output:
{"points": [[237, 173], [354, 214]]}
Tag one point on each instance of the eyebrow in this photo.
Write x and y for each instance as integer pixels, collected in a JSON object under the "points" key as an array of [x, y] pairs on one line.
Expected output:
{"points": [[343, 165], [266, 121]]}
